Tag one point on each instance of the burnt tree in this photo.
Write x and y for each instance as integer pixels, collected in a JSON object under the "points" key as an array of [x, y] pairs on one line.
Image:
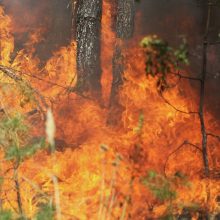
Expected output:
{"points": [[88, 31], [124, 28]]}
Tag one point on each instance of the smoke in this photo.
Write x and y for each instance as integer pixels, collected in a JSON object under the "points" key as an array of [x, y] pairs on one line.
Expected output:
{"points": [[53, 18], [169, 19]]}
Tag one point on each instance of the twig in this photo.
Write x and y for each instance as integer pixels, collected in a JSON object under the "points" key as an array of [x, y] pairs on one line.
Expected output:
{"points": [[214, 135], [34, 186], [186, 77], [112, 200], [43, 80], [100, 212], [9, 202], [11, 73], [57, 197], [18, 191], [124, 210], [175, 108], [176, 150]]}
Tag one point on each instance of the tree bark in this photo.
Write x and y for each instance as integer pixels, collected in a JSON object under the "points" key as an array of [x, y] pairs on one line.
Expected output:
{"points": [[88, 33], [124, 27], [124, 31], [125, 19]]}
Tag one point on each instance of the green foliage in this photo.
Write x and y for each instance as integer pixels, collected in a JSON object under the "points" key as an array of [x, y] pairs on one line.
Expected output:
{"points": [[26, 92], [181, 53], [164, 190], [168, 216], [140, 125], [14, 139], [162, 59], [46, 212], [17, 146], [5, 215], [14, 152], [160, 186]]}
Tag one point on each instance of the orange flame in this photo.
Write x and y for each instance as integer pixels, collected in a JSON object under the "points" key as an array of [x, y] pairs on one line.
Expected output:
{"points": [[99, 167]]}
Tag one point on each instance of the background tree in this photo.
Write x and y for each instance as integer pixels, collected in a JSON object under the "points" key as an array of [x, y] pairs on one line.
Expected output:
{"points": [[88, 31], [124, 27]]}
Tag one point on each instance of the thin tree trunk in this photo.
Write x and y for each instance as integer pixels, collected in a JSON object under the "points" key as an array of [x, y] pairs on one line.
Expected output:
{"points": [[125, 19], [124, 31], [124, 27], [88, 33], [202, 93]]}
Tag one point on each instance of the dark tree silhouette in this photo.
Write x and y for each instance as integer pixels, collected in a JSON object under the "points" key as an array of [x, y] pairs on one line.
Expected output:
{"points": [[124, 27], [88, 31]]}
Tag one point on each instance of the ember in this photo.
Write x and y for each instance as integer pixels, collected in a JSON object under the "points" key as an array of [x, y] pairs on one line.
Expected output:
{"points": [[128, 135]]}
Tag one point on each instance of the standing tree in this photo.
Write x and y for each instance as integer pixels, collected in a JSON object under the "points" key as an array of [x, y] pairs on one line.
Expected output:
{"points": [[124, 28], [88, 31]]}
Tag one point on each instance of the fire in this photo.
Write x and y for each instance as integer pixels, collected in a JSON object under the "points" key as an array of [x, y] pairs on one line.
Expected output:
{"points": [[99, 168]]}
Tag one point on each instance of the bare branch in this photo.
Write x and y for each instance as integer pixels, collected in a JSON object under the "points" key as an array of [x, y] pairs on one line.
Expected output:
{"points": [[11, 73], [186, 77], [214, 135], [177, 149], [18, 191], [175, 108]]}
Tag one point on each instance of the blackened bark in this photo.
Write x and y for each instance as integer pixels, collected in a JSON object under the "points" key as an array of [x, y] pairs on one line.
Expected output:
{"points": [[202, 92], [124, 27], [125, 19], [124, 30], [88, 46], [117, 71]]}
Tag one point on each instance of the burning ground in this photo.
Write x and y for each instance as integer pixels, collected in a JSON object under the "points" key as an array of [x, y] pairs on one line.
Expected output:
{"points": [[147, 166]]}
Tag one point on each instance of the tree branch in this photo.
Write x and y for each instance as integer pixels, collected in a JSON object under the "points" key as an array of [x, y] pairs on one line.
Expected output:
{"points": [[214, 135], [175, 108], [186, 77], [11, 73], [177, 149]]}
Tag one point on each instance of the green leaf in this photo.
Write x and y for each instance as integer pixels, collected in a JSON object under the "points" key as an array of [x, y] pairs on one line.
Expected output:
{"points": [[5, 215], [160, 186], [161, 58], [12, 152], [46, 212], [152, 174]]}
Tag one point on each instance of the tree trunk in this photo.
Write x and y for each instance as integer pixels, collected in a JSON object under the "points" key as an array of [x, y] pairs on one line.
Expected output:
{"points": [[124, 28], [125, 19], [88, 33]]}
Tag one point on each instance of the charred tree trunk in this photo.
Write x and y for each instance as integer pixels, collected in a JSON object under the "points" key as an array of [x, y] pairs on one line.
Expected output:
{"points": [[124, 27], [88, 33], [125, 19]]}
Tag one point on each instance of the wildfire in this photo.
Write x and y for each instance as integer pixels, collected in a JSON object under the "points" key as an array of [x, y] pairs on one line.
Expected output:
{"points": [[101, 169]]}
